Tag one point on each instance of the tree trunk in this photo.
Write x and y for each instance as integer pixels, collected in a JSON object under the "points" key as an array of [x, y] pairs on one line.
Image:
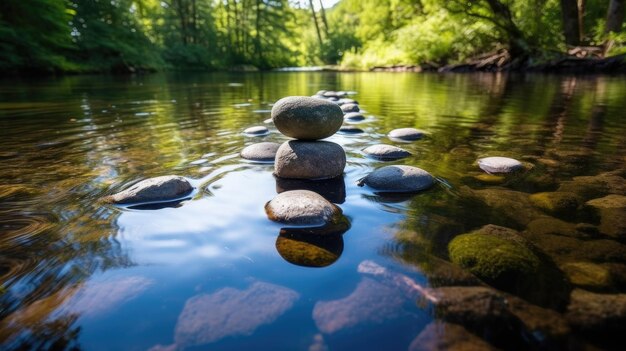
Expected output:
{"points": [[324, 19], [518, 46], [571, 29], [581, 20], [615, 16], [317, 27], [257, 38]]}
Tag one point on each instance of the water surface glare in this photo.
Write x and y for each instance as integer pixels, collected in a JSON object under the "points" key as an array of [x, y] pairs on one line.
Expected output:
{"points": [[213, 272]]}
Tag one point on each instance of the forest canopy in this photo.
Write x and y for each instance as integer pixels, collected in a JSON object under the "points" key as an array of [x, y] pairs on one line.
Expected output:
{"points": [[147, 35]]}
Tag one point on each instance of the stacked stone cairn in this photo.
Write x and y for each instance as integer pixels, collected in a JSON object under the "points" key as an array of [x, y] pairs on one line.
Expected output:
{"points": [[312, 224]]}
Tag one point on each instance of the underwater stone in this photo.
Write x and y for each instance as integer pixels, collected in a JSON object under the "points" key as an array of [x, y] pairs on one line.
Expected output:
{"points": [[301, 208], [406, 134], [557, 203], [309, 160], [158, 189], [346, 108], [588, 275], [260, 152], [591, 312], [499, 164], [447, 336], [386, 152], [399, 179], [612, 212], [306, 118], [492, 258], [257, 131]]}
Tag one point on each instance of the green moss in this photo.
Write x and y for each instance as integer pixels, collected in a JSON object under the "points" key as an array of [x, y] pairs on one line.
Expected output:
{"points": [[556, 203], [491, 258], [588, 275]]}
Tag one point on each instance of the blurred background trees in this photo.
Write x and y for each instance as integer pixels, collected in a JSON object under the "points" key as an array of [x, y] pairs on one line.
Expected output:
{"points": [[146, 35]]}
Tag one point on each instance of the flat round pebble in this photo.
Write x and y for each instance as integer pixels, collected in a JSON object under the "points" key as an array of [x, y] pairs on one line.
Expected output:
{"points": [[350, 130], [158, 189], [399, 179], [306, 118], [386, 152], [353, 116], [406, 134], [499, 164], [350, 108], [257, 131], [347, 101], [260, 152], [301, 208]]}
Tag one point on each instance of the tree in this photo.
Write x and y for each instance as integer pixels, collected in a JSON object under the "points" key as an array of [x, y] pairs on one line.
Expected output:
{"points": [[615, 16], [571, 22]]}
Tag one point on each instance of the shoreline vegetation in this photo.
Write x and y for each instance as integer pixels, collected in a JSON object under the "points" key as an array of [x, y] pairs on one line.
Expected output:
{"points": [[47, 37]]}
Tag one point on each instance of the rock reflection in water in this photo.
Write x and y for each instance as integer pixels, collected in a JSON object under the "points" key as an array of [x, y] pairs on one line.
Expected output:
{"points": [[333, 190], [229, 312], [307, 250]]}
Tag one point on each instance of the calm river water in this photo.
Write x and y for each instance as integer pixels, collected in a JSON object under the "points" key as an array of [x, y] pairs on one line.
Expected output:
{"points": [[214, 273]]}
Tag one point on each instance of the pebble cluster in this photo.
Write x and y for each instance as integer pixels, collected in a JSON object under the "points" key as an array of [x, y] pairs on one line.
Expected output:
{"points": [[304, 167]]}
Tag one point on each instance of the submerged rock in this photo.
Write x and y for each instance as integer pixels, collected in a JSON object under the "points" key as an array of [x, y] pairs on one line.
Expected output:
{"points": [[553, 226], [441, 336], [301, 208], [310, 250], [257, 131], [309, 160], [588, 275], [350, 108], [233, 313], [600, 313], [399, 179], [511, 207], [495, 259], [158, 189], [386, 152], [260, 152], [591, 187], [306, 118], [612, 212], [499, 164], [557, 203], [406, 134]]}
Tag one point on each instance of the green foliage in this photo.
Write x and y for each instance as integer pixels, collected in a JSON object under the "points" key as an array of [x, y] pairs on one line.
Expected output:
{"points": [[34, 35], [131, 35]]}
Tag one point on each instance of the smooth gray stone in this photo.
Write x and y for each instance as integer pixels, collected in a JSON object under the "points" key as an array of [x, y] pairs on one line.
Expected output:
{"points": [[321, 92], [407, 134], [350, 108], [499, 164], [386, 152], [301, 208], [257, 131], [347, 101], [353, 116], [158, 189], [399, 179], [309, 160], [306, 118], [330, 94], [260, 152], [350, 130]]}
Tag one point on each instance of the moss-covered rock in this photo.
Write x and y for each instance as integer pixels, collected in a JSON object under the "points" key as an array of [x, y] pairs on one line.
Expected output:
{"points": [[612, 212], [493, 259], [591, 187], [588, 275], [561, 204]]}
